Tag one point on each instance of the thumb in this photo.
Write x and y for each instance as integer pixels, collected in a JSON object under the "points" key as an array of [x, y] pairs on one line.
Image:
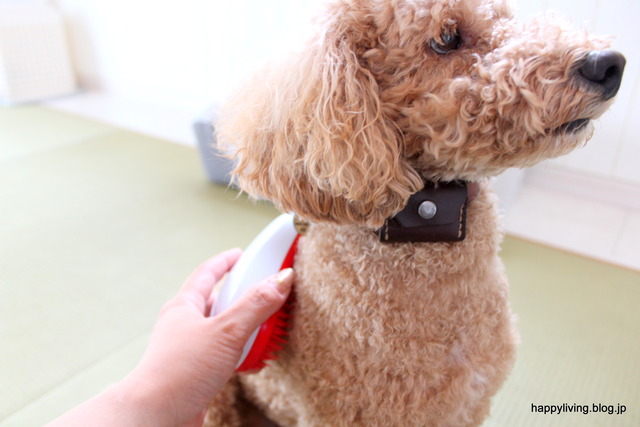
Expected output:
{"points": [[256, 306]]}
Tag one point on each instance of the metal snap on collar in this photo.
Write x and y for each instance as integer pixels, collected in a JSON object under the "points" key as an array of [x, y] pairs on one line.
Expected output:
{"points": [[427, 209]]}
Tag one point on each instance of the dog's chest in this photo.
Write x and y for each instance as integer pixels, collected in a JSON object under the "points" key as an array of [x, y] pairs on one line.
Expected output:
{"points": [[385, 299], [378, 294], [379, 330], [398, 318]]}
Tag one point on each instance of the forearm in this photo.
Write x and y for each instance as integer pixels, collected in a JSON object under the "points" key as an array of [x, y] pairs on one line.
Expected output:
{"points": [[190, 356], [124, 404]]}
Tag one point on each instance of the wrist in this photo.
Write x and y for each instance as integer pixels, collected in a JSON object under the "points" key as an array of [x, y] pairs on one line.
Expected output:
{"points": [[129, 403], [139, 396]]}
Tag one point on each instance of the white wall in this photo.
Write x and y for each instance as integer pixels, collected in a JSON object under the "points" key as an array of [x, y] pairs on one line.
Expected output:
{"points": [[180, 52], [188, 53]]}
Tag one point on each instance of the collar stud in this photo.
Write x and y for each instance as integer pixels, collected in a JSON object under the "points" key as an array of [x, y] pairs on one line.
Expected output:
{"points": [[427, 209]]}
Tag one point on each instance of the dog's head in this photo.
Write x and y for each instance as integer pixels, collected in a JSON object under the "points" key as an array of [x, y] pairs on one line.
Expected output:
{"points": [[394, 92]]}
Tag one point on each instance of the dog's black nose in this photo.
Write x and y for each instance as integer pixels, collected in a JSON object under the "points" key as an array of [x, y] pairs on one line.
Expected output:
{"points": [[604, 68]]}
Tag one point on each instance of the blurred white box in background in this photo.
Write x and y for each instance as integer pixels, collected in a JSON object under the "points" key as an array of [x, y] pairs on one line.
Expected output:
{"points": [[34, 55]]}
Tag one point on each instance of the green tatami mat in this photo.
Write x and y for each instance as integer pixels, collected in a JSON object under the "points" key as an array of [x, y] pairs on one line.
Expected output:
{"points": [[579, 324], [26, 130], [94, 236], [99, 226]]}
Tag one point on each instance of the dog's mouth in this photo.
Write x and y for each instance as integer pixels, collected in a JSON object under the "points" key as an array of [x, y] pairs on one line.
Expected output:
{"points": [[573, 126]]}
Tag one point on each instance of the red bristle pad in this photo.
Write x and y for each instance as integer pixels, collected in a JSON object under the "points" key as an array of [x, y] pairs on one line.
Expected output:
{"points": [[276, 338], [280, 333]]}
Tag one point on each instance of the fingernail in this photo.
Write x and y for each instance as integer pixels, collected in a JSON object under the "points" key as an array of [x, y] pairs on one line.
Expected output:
{"points": [[282, 280]]}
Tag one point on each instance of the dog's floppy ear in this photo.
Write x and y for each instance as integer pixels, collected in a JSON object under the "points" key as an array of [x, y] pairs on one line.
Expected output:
{"points": [[312, 137]]}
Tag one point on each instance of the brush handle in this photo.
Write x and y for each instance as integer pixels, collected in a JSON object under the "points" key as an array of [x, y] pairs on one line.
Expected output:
{"points": [[262, 258]]}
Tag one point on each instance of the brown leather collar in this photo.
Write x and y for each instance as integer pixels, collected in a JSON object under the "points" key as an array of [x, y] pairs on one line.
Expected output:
{"points": [[437, 213]]}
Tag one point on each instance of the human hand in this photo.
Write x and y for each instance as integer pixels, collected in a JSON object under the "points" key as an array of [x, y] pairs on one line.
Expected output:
{"points": [[190, 356]]}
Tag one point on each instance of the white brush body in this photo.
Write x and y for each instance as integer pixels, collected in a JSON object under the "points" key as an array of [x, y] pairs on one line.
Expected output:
{"points": [[262, 258]]}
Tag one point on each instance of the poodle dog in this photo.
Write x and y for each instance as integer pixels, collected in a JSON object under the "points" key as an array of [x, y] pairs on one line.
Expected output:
{"points": [[393, 98]]}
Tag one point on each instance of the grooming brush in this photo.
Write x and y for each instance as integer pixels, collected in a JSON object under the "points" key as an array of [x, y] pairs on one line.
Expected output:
{"points": [[271, 251]]}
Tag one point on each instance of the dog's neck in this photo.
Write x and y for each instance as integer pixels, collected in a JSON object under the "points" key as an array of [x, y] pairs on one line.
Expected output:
{"points": [[437, 213]]}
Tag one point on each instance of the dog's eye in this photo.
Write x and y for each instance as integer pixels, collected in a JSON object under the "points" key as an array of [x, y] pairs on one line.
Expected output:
{"points": [[450, 42]]}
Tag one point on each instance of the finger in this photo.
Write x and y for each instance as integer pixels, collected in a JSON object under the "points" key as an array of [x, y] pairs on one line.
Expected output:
{"points": [[214, 295], [256, 306], [203, 279], [210, 301]]}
